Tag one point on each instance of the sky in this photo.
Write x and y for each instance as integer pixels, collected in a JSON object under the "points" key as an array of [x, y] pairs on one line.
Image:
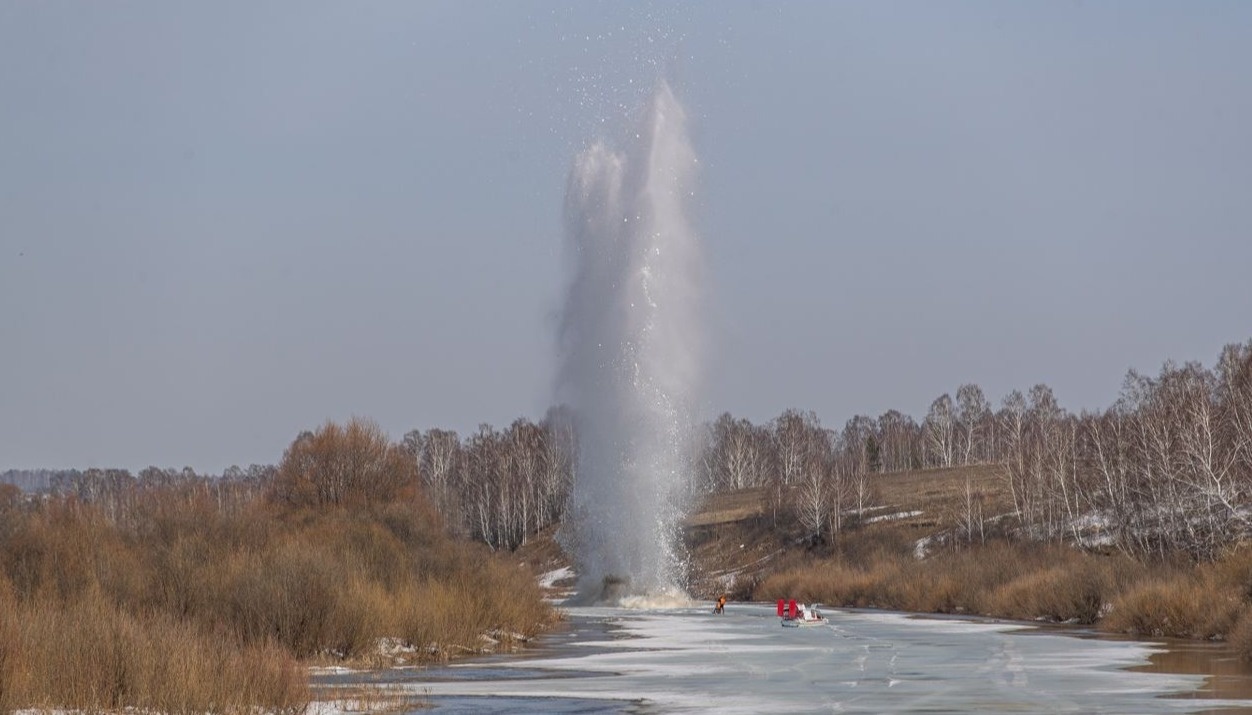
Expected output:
{"points": [[225, 223]]}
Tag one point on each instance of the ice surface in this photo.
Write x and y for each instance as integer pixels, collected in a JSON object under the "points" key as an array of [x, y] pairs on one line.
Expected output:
{"points": [[689, 660]]}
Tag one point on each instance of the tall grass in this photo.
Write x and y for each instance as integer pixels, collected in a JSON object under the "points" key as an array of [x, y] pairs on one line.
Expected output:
{"points": [[1179, 600], [1026, 580], [183, 607], [89, 655]]}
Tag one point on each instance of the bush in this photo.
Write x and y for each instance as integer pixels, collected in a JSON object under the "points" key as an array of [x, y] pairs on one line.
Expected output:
{"points": [[1070, 593], [1012, 580], [350, 465], [179, 604], [1241, 635], [89, 655], [1175, 605]]}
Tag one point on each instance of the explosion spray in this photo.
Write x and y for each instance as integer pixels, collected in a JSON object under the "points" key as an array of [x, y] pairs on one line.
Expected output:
{"points": [[630, 356]]}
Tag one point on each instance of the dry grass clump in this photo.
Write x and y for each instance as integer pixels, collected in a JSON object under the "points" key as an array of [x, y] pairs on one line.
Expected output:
{"points": [[12, 670], [495, 605], [90, 655], [1169, 606], [837, 581], [1203, 601], [1065, 592], [179, 606], [1000, 578], [1240, 637]]}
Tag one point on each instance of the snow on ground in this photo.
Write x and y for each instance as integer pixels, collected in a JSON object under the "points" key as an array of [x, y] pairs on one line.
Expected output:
{"points": [[868, 509], [550, 579], [893, 517], [922, 547]]}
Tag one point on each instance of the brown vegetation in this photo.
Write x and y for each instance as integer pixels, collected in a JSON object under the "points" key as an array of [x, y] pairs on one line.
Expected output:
{"points": [[88, 654], [1002, 579], [182, 604]]}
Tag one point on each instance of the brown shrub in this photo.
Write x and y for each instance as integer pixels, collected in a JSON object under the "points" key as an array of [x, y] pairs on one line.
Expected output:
{"points": [[89, 655], [350, 465], [336, 584], [1241, 635], [292, 593], [1000, 578], [12, 671], [100, 613], [441, 620], [1066, 592], [837, 583], [1233, 572], [1178, 605]]}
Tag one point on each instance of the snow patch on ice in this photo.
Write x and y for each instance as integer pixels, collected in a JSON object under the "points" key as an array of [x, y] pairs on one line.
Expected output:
{"points": [[329, 670]]}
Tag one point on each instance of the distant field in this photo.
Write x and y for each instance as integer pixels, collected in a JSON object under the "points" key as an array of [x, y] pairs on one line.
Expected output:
{"points": [[730, 507], [940, 492], [934, 492]]}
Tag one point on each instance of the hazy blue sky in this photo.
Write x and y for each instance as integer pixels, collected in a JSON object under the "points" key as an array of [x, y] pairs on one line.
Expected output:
{"points": [[223, 223]]}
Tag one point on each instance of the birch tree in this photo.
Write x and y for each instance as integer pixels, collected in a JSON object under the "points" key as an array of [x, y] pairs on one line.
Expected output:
{"points": [[971, 416], [940, 429]]}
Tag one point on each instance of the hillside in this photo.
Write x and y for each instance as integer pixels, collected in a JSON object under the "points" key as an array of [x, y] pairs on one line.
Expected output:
{"points": [[735, 538]]}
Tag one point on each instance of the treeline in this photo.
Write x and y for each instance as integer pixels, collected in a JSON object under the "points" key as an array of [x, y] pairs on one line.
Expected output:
{"points": [[173, 592], [1166, 469], [63, 481], [28, 480]]}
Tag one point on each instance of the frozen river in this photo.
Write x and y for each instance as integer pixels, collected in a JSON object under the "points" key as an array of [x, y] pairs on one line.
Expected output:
{"points": [[613, 660]]}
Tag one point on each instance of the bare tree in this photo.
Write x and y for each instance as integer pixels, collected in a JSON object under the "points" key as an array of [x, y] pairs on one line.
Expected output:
{"points": [[734, 454], [440, 463], [971, 416], [970, 519], [528, 451], [791, 437], [898, 441], [558, 473], [940, 427], [855, 444], [353, 464], [814, 490], [1013, 423]]}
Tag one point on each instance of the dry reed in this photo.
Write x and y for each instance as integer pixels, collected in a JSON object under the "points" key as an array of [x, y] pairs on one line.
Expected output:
{"points": [[181, 607]]}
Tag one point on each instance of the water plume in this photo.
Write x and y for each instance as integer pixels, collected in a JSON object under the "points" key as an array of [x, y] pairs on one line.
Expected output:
{"points": [[630, 356]]}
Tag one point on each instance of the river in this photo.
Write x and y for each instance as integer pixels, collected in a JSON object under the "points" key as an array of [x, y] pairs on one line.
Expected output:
{"points": [[687, 660]]}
